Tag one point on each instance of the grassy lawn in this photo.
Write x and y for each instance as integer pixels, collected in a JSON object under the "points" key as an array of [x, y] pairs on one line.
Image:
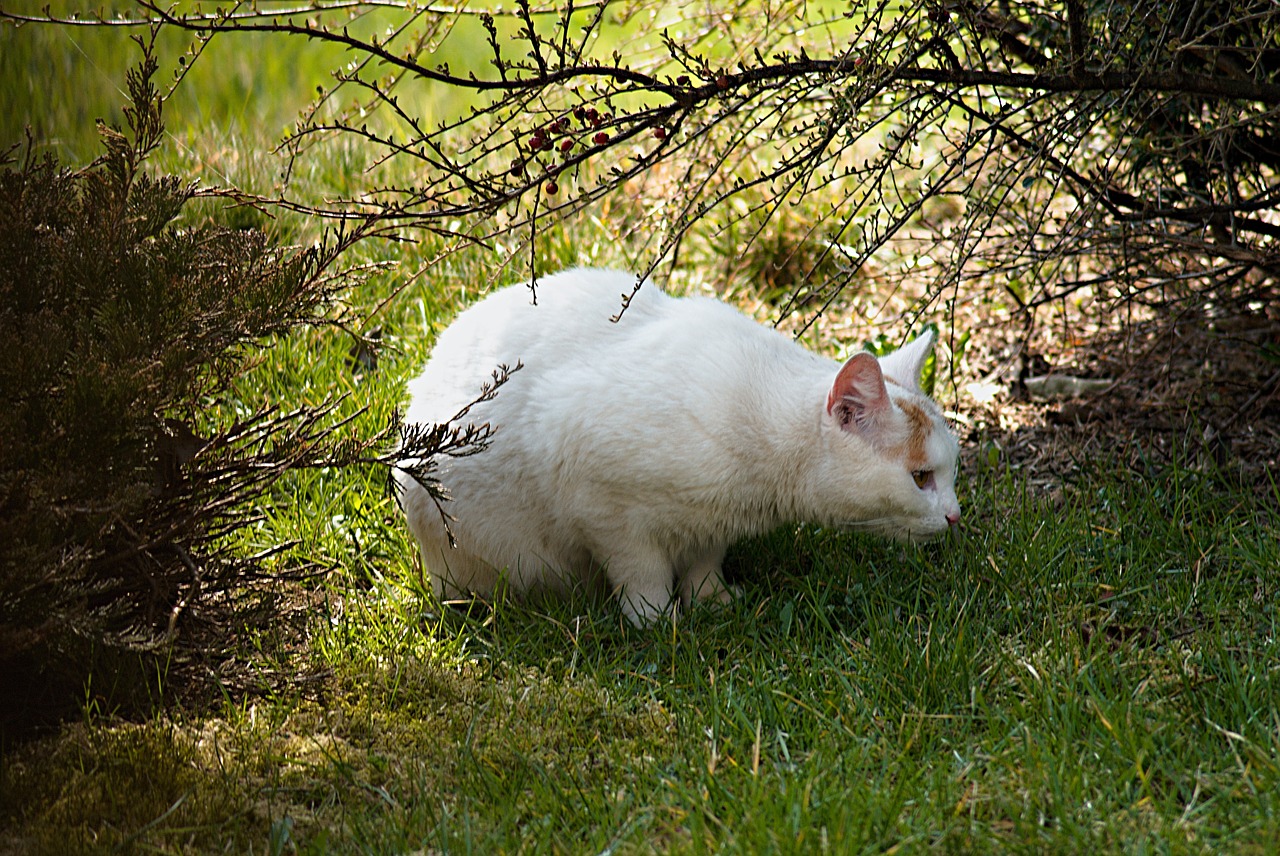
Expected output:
{"points": [[1090, 668], [1093, 669], [1097, 674]]}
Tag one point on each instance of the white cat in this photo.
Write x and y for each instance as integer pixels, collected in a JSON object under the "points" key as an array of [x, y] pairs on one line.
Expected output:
{"points": [[641, 449]]}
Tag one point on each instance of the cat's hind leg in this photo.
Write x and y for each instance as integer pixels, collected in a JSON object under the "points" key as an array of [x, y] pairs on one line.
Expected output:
{"points": [[704, 580], [456, 573], [454, 570]]}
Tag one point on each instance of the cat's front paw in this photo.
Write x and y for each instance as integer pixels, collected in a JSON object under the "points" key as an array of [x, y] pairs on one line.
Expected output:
{"points": [[727, 594], [643, 609], [709, 587]]}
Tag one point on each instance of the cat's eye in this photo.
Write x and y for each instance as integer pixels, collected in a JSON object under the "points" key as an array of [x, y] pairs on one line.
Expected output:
{"points": [[923, 478]]}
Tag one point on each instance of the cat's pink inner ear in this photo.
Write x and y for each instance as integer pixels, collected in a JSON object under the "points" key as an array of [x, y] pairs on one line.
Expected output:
{"points": [[858, 395]]}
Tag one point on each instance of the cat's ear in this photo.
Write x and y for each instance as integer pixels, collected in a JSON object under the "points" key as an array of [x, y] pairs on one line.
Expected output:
{"points": [[903, 366], [858, 397]]}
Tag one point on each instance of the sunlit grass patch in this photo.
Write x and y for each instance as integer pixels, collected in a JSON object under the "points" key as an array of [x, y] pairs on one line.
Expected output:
{"points": [[387, 750]]}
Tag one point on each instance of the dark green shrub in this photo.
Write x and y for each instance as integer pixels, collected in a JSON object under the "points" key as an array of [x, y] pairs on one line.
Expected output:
{"points": [[120, 325]]}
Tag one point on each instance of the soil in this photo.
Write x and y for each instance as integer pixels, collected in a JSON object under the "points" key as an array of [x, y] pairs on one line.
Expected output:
{"points": [[1198, 389]]}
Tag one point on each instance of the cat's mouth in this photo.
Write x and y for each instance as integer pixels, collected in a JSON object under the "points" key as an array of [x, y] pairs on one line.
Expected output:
{"points": [[898, 529], [920, 536]]}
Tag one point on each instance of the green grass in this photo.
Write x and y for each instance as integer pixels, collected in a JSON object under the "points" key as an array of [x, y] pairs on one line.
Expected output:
{"points": [[1091, 672], [1100, 675], [59, 80], [1096, 672]]}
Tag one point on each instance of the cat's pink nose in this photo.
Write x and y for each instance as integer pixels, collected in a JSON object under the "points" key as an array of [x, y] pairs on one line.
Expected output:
{"points": [[953, 517]]}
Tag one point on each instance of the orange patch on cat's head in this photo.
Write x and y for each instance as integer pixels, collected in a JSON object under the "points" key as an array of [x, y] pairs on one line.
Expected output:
{"points": [[919, 426]]}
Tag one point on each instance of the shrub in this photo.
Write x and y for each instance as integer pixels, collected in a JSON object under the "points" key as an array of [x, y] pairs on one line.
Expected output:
{"points": [[121, 325]]}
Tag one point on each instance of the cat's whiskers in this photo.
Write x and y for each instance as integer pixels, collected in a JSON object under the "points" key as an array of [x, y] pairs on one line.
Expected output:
{"points": [[873, 523], [892, 527]]}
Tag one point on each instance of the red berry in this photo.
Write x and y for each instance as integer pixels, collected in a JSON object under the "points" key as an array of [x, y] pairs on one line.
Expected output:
{"points": [[722, 82], [536, 142], [552, 188], [565, 145], [660, 132], [600, 139], [682, 80]]}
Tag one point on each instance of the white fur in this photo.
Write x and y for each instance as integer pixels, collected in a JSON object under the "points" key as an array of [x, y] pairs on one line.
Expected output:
{"points": [[643, 448]]}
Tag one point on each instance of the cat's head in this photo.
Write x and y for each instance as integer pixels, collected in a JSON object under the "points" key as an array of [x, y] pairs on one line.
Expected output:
{"points": [[890, 446]]}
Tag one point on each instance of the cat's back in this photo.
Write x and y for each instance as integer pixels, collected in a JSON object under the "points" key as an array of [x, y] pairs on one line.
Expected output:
{"points": [[668, 353], [562, 316], [568, 319], [562, 309]]}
